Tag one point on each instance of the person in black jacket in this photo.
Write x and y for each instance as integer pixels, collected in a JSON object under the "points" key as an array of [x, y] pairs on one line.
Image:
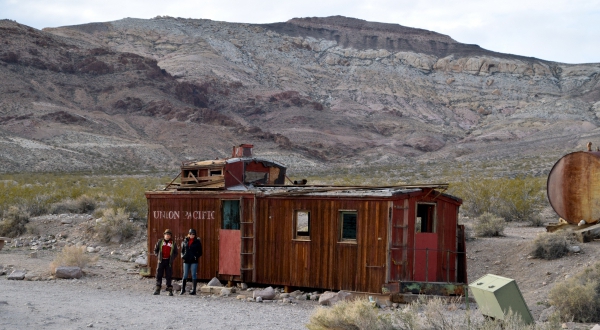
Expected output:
{"points": [[191, 251], [166, 251]]}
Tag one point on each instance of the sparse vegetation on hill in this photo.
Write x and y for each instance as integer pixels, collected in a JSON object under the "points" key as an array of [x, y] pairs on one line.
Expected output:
{"points": [[578, 298], [76, 193]]}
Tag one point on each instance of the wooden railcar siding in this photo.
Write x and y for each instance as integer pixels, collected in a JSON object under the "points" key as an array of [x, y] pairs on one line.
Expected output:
{"points": [[323, 261], [270, 255]]}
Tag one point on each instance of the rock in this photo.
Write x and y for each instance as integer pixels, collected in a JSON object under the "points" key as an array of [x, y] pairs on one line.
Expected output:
{"points": [[243, 286], [249, 299], [214, 282], [90, 249], [296, 293], [315, 296], [266, 294], [574, 248], [66, 221], [33, 254], [16, 275], [545, 314], [226, 292], [176, 287], [449, 81], [142, 261], [286, 300], [596, 327], [284, 295], [395, 305], [329, 298], [258, 299], [68, 272], [240, 297]]}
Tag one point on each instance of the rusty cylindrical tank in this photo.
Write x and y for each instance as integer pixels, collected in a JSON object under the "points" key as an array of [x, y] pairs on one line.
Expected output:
{"points": [[574, 187]]}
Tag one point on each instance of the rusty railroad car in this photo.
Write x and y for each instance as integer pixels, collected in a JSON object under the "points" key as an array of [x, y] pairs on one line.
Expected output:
{"points": [[257, 230]]}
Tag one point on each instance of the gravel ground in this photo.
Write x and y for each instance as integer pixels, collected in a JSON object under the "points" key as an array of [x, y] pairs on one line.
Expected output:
{"points": [[72, 304]]}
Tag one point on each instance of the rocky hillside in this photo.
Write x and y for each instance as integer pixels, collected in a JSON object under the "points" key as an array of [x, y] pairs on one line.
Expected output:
{"points": [[311, 92]]}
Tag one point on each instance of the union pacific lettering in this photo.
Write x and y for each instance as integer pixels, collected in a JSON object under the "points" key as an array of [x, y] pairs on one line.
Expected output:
{"points": [[186, 215]]}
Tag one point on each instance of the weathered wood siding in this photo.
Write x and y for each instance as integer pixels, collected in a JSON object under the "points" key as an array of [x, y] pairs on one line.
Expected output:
{"points": [[324, 261]]}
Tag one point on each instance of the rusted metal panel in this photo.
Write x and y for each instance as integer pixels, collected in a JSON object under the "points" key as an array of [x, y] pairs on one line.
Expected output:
{"points": [[574, 187], [426, 257], [229, 252]]}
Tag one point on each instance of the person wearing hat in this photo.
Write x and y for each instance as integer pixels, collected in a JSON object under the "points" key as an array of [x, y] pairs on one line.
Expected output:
{"points": [[191, 251], [166, 252]]}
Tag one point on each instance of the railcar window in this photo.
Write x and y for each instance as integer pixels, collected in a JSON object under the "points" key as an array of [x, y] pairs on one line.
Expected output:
{"points": [[348, 225], [216, 172], [302, 225], [425, 221], [231, 215]]}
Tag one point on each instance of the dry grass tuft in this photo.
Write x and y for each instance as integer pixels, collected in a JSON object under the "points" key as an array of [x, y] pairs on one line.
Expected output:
{"points": [[552, 245], [488, 225], [349, 315], [578, 298], [72, 256], [14, 222], [434, 314]]}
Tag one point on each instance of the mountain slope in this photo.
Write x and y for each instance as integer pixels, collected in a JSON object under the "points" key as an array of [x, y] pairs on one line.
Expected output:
{"points": [[321, 92]]}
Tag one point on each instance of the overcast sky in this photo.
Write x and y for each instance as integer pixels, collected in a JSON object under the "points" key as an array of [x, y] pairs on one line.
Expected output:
{"points": [[556, 30]]}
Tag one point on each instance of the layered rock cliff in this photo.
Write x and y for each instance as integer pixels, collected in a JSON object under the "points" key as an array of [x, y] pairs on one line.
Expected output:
{"points": [[321, 92]]}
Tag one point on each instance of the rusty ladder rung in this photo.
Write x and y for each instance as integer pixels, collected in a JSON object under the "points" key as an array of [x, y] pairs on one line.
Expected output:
{"points": [[247, 222], [248, 237]]}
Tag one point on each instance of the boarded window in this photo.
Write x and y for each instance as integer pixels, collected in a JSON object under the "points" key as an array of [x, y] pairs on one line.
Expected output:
{"points": [[216, 172], [302, 225], [348, 225], [231, 215]]}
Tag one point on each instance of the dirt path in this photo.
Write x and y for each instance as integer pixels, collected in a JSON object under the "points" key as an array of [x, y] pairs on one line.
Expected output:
{"points": [[109, 298]]}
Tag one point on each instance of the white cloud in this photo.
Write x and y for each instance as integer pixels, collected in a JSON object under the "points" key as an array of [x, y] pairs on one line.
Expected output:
{"points": [[558, 30]]}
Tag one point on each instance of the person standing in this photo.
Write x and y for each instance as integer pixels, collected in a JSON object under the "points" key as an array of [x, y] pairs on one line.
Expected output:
{"points": [[191, 251], [166, 252]]}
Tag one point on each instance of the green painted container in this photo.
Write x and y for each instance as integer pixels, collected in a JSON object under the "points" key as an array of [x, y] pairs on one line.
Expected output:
{"points": [[496, 295]]}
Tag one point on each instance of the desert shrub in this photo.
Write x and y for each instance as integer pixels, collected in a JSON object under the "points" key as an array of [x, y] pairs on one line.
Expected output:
{"points": [[72, 256], [488, 225], [517, 199], [13, 222], [32, 229], [80, 205], [522, 199], [114, 226], [551, 245], [578, 298], [357, 314]]}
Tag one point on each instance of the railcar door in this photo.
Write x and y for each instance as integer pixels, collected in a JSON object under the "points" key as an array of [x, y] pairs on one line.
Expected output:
{"points": [[230, 237]]}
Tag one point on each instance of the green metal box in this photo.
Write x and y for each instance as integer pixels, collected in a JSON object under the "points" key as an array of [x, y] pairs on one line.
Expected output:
{"points": [[496, 295]]}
